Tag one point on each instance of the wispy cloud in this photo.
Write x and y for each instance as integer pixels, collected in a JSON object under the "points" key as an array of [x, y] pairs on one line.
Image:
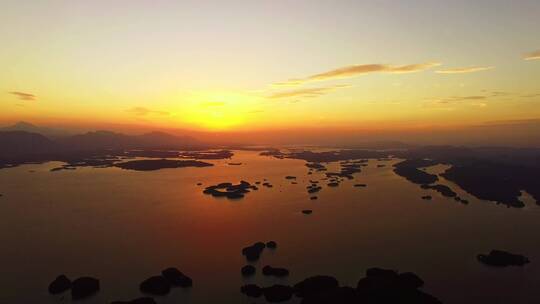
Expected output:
{"points": [[307, 92], [142, 111], [532, 56], [289, 83], [530, 95], [23, 95], [360, 69], [472, 100], [489, 93], [462, 98], [464, 70]]}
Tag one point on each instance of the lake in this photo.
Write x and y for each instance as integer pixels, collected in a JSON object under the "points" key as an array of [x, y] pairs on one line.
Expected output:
{"points": [[123, 226]]}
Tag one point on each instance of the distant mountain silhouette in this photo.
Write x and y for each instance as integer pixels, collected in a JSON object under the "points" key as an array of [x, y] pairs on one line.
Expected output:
{"points": [[15, 143], [381, 145], [165, 140], [106, 140], [31, 128]]}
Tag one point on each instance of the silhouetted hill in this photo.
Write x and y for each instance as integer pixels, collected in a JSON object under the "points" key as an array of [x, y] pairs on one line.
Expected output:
{"points": [[16, 143], [106, 140], [31, 128], [380, 145], [98, 140], [165, 140]]}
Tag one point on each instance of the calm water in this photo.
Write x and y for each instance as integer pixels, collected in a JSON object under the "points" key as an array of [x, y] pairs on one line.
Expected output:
{"points": [[123, 226]]}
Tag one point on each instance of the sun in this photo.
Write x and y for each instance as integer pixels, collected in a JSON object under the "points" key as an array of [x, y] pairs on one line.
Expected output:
{"points": [[219, 111]]}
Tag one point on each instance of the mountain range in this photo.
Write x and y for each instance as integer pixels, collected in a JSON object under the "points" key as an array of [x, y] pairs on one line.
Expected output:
{"points": [[26, 139]]}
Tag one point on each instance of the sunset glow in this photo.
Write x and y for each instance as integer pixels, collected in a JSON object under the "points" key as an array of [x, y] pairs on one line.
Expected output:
{"points": [[269, 151], [234, 66]]}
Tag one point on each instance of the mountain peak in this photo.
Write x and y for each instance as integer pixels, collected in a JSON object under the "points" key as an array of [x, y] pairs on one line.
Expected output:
{"points": [[23, 124]]}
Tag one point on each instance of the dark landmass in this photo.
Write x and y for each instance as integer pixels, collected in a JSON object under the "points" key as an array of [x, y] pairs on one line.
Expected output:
{"points": [[151, 154], [330, 156], [346, 171], [316, 166], [382, 145], [271, 245], [176, 277], [251, 290], [409, 169], [278, 293], [14, 144], [84, 287], [162, 284], [313, 188], [275, 271], [307, 211], [220, 154], [489, 173], [141, 300], [379, 286], [105, 140], [501, 258], [253, 252], [248, 270], [274, 293], [156, 285], [442, 189], [230, 190], [496, 182], [151, 165], [60, 285], [272, 152], [31, 128], [20, 147]]}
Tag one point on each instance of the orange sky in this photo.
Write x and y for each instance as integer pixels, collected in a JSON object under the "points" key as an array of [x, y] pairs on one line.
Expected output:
{"points": [[245, 65]]}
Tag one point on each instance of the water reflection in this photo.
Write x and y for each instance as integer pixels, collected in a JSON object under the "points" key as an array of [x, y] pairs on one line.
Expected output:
{"points": [[124, 226]]}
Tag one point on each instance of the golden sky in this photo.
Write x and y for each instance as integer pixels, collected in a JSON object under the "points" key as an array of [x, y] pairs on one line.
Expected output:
{"points": [[249, 65]]}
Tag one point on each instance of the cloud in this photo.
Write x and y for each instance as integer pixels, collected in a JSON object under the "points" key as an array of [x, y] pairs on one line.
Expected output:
{"points": [[289, 83], [464, 98], [411, 68], [464, 70], [142, 111], [23, 95], [499, 93], [308, 92], [360, 69], [475, 100], [530, 95], [532, 56]]}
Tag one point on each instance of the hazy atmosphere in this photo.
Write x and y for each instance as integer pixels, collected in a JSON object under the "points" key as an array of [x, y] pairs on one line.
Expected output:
{"points": [[219, 66], [298, 152]]}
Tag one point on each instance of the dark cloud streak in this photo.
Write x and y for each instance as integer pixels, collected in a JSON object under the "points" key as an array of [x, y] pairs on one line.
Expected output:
{"points": [[24, 96]]}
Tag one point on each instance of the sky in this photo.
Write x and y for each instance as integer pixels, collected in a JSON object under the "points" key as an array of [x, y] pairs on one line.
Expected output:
{"points": [[264, 65]]}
